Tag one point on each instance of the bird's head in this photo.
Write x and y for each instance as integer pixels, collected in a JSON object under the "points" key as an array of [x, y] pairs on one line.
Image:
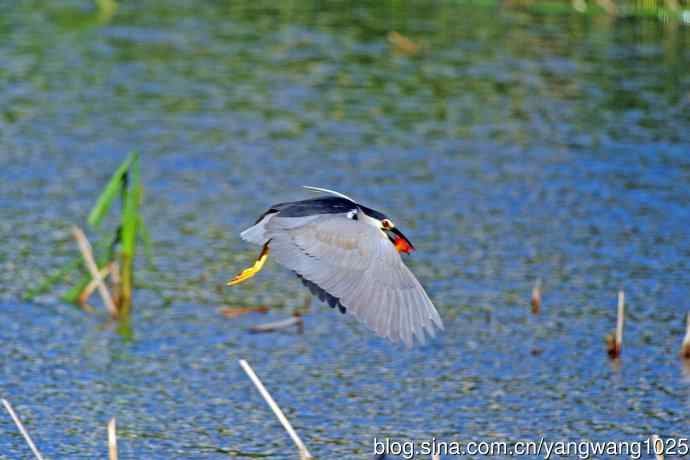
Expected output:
{"points": [[402, 244], [386, 225], [375, 218]]}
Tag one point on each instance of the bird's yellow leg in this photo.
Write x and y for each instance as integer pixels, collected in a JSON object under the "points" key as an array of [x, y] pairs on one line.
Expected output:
{"points": [[253, 270]]}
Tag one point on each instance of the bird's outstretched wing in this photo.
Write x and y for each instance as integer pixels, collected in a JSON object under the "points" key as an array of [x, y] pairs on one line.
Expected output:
{"points": [[355, 264]]}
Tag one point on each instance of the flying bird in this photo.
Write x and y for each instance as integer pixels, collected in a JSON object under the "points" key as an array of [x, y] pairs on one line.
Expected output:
{"points": [[349, 256]]}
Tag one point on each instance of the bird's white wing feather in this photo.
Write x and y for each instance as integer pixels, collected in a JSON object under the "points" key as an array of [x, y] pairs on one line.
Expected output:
{"points": [[357, 264]]}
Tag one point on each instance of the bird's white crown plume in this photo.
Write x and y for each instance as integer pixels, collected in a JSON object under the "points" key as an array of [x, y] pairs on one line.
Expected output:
{"points": [[325, 190]]}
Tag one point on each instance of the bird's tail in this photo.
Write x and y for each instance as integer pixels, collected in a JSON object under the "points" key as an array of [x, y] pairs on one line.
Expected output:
{"points": [[257, 233]]}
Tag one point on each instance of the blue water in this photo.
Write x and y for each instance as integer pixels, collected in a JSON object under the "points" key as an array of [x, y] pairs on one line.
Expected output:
{"points": [[512, 147]]}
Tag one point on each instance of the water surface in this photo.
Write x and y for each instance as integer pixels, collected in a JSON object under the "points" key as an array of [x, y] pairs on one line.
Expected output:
{"points": [[512, 147]]}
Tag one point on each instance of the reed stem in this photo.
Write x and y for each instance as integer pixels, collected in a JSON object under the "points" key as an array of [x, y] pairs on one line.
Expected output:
{"points": [[536, 297], [658, 447], [614, 342], [130, 226], [22, 430], [303, 452], [619, 321], [112, 440]]}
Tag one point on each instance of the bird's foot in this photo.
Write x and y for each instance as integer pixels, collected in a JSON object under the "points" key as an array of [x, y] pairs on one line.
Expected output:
{"points": [[253, 270]]}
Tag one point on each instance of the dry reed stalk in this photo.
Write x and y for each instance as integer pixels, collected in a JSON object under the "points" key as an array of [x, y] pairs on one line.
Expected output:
{"points": [[619, 320], [685, 347], [233, 312], [658, 451], [93, 284], [112, 440], [22, 430], [303, 452], [615, 342], [87, 254], [536, 297], [307, 303]]}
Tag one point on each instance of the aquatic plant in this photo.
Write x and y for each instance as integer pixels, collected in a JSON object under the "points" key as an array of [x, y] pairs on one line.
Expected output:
{"points": [[116, 257]]}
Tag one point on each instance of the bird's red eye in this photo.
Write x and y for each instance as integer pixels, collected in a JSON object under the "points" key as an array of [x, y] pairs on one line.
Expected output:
{"points": [[386, 223]]}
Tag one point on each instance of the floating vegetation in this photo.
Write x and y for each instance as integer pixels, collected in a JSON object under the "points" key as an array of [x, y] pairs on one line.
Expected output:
{"points": [[403, 45], [294, 320], [234, 312]]}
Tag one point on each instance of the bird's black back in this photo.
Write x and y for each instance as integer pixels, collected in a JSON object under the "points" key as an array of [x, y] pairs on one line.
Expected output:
{"points": [[314, 206]]}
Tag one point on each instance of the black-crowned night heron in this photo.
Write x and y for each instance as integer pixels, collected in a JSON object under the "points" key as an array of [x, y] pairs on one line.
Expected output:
{"points": [[349, 256]]}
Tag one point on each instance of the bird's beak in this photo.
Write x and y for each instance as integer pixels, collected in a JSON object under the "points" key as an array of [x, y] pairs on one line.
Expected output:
{"points": [[402, 244]]}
